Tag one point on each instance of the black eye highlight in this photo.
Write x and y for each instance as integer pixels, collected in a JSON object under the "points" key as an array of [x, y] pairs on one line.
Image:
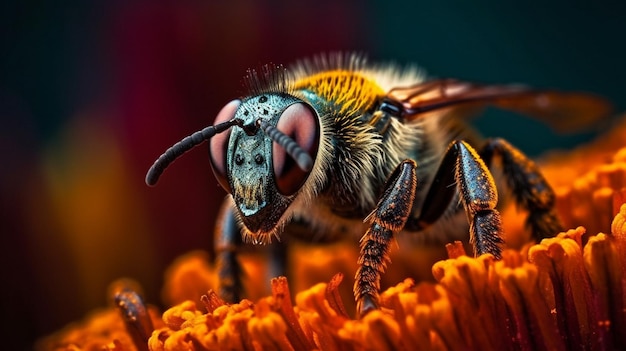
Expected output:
{"points": [[239, 159], [259, 159]]}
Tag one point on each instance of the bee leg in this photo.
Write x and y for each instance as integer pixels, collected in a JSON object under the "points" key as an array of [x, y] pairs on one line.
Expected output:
{"points": [[479, 197], [278, 259], [530, 189], [227, 244], [388, 218], [461, 165], [135, 315]]}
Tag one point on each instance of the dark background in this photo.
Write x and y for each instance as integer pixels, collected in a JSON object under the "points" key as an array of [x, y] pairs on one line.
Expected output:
{"points": [[92, 91]]}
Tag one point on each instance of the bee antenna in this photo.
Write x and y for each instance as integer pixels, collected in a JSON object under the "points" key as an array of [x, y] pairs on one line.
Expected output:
{"points": [[188, 143], [302, 158]]}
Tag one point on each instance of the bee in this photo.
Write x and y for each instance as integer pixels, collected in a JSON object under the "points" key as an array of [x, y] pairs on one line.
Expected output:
{"points": [[336, 142]]}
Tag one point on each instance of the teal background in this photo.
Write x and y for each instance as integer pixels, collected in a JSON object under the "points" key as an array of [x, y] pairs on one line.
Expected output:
{"points": [[152, 72]]}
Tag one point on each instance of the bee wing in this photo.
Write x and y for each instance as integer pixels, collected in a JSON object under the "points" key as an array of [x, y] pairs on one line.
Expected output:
{"points": [[565, 112]]}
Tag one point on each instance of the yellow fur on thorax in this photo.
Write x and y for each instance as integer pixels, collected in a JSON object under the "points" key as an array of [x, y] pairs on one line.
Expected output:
{"points": [[351, 91]]}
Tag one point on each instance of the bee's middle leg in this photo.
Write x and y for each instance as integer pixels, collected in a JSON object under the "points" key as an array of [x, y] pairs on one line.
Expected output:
{"points": [[463, 169], [388, 218], [530, 189]]}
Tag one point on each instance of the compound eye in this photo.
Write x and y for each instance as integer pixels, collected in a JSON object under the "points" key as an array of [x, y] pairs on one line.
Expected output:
{"points": [[299, 122], [218, 146]]}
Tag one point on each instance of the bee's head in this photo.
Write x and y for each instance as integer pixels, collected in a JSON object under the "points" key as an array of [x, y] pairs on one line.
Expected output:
{"points": [[262, 150]]}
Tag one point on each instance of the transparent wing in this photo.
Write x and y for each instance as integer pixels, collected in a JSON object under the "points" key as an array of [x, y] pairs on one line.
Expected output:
{"points": [[564, 111]]}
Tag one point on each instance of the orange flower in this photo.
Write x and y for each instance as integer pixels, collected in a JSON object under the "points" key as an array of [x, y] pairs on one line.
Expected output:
{"points": [[555, 295]]}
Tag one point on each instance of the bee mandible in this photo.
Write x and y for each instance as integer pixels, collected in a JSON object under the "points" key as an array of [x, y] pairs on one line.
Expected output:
{"points": [[333, 142]]}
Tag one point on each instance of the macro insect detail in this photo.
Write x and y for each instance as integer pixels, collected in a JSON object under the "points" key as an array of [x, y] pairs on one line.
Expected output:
{"points": [[335, 142]]}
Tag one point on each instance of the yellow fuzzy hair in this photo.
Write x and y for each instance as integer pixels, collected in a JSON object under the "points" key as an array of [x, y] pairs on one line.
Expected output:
{"points": [[356, 92]]}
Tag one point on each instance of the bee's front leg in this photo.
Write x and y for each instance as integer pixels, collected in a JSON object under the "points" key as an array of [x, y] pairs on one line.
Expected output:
{"points": [[388, 218], [227, 245]]}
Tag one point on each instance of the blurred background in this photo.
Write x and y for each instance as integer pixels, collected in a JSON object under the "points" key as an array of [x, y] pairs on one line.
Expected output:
{"points": [[91, 92]]}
